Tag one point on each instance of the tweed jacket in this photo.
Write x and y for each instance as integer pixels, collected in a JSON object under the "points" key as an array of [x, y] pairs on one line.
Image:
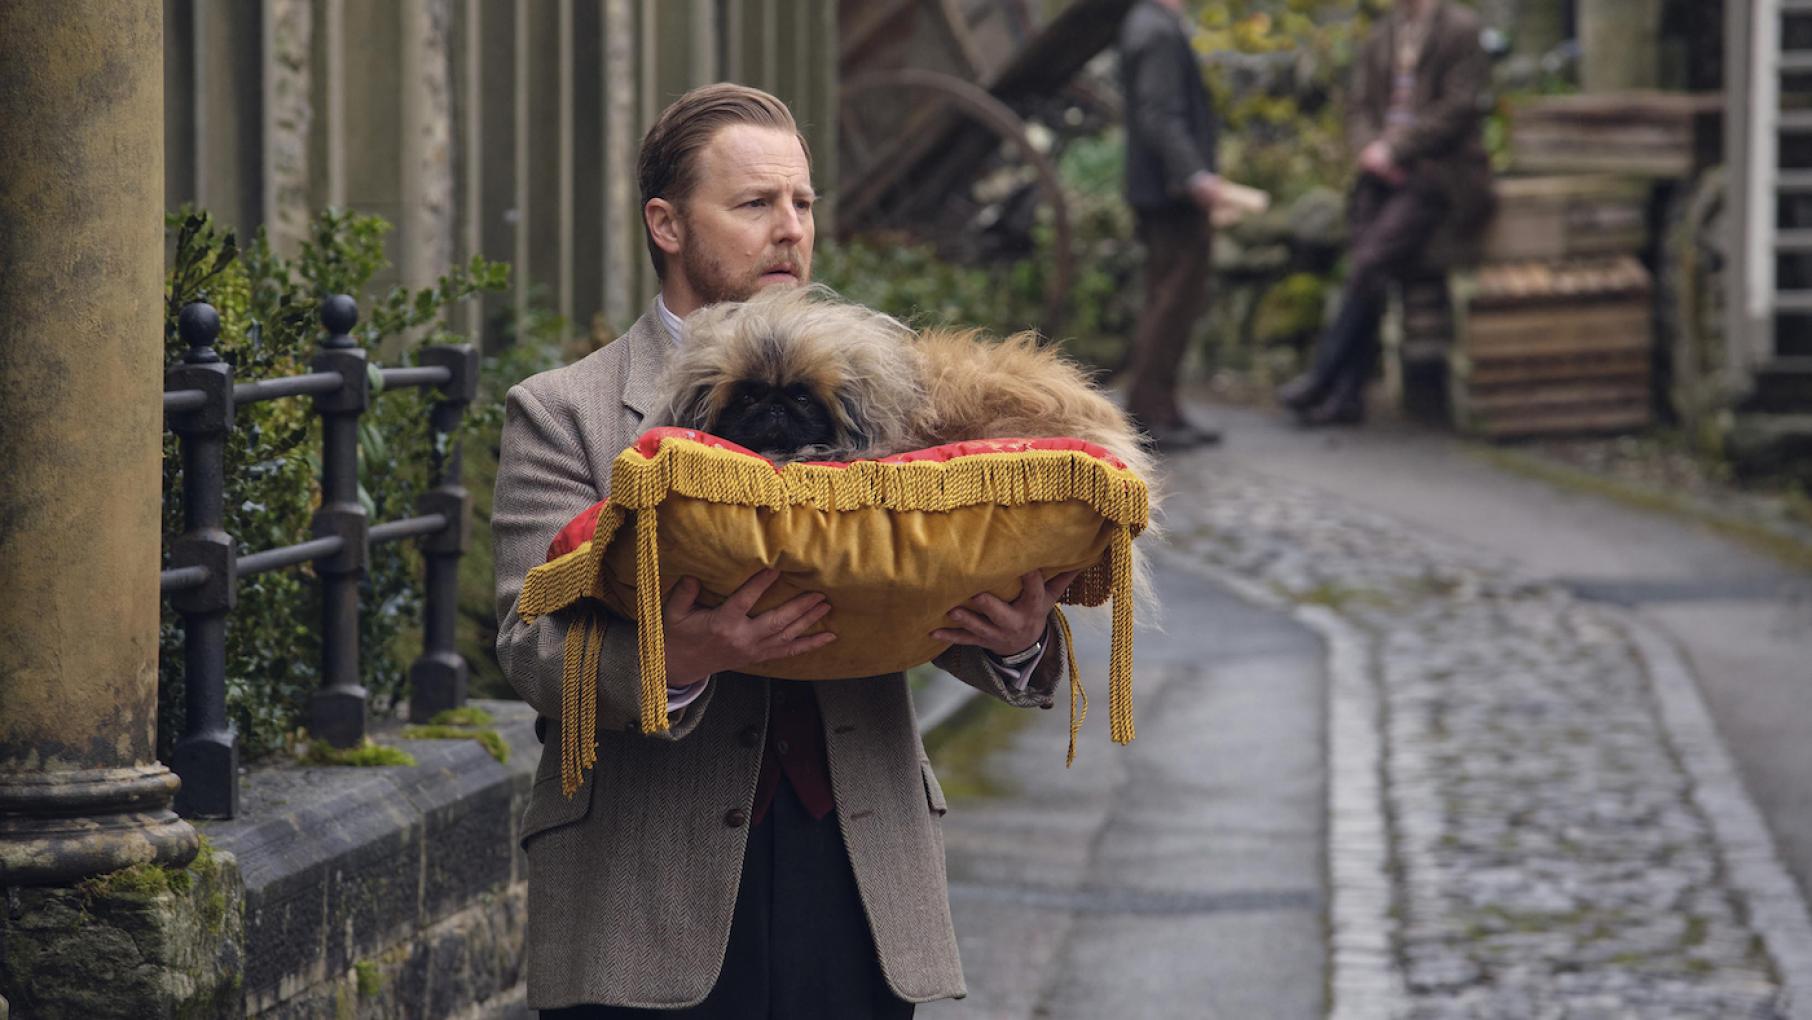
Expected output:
{"points": [[1170, 125], [633, 880], [1453, 78]]}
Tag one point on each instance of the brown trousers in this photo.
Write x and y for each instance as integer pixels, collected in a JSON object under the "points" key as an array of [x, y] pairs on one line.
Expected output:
{"points": [[1177, 243], [1391, 229]]}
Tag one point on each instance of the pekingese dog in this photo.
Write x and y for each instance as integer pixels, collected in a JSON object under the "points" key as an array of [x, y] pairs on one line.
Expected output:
{"points": [[800, 374]]}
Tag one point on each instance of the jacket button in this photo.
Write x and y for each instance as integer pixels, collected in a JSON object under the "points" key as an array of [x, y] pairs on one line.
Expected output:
{"points": [[782, 747], [749, 736], [736, 818]]}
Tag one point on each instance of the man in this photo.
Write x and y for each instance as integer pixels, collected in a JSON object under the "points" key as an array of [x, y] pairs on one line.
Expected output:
{"points": [[778, 852], [1414, 122], [1172, 187]]}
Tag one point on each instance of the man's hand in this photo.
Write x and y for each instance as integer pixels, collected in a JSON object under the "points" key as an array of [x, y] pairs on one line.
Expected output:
{"points": [[1376, 159], [1006, 628], [1205, 190], [703, 641]]}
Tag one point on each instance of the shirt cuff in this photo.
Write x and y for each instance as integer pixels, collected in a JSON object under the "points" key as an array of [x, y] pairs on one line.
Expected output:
{"points": [[680, 697], [1016, 676]]}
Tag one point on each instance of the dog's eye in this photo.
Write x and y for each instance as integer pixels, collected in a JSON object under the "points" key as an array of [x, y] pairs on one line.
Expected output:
{"points": [[802, 399]]}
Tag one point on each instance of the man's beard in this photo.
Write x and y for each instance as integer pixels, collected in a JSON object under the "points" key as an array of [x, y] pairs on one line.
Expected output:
{"points": [[714, 282]]}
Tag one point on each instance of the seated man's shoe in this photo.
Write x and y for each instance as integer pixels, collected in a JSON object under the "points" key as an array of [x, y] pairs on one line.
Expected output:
{"points": [[1181, 436], [1300, 393], [1334, 411]]}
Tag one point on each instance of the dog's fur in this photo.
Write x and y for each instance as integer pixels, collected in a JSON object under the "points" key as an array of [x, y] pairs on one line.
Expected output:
{"points": [[886, 388]]}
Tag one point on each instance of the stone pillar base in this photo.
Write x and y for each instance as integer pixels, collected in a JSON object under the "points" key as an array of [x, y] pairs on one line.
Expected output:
{"points": [[58, 826], [145, 941]]}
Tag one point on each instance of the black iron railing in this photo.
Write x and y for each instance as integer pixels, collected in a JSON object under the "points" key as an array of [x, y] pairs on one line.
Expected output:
{"points": [[202, 582]]}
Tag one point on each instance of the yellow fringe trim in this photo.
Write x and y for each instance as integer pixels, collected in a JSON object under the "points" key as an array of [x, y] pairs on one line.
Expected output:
{"points": [[1119, 659], [650, 632], [1076, 691], [579, 698], [681, 468]]}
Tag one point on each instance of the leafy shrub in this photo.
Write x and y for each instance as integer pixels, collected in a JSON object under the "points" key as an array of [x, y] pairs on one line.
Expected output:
{"points": [[269, 328]]}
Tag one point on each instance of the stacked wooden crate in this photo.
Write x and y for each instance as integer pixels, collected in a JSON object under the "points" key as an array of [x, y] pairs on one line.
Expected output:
{"points": [[1555, 347], [1657, 135], [1555, 330]]}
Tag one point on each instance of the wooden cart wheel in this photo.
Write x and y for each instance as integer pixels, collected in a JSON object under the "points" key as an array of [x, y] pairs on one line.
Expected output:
{"points": [[999, 118]]}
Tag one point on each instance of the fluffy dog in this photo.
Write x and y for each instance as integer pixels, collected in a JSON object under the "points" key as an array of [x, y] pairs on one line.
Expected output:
{"points": [[799, 374]]}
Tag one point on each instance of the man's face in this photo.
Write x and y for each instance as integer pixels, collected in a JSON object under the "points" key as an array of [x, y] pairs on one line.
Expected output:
{"points": [[748, 222]]}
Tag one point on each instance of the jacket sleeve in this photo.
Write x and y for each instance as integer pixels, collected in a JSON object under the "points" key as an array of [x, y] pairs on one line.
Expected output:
{"points": [[541, 485], [1445, 124], [1158, 110], [970, 665]]}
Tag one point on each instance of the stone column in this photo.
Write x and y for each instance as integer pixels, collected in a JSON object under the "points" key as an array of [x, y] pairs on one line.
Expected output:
{"points": [[81, 368]]}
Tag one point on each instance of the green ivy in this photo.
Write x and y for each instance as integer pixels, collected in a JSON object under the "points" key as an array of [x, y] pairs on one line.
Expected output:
{"points": [[268, 307]]}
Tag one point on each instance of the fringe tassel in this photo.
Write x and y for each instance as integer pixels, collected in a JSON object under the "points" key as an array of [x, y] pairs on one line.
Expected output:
{"points": [[579, 698], [1119, 662], [1076, 690], [651, 638]]}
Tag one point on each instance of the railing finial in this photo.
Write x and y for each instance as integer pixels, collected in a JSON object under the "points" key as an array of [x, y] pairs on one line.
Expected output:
{"points": [[199, 326], [339, 314]]}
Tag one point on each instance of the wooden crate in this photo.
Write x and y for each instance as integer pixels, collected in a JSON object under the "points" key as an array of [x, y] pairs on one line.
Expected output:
{"points": [[1554, 348], [1639, 133], [1567, 217]]}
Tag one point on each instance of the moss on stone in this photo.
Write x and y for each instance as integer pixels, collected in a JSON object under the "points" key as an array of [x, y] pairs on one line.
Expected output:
{"points": [[370, 980], [366, 755], [466, 715], [488, 738]]}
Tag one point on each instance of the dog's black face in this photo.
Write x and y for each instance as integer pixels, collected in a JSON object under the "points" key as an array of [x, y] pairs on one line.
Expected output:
{"points": [[774, 420]]}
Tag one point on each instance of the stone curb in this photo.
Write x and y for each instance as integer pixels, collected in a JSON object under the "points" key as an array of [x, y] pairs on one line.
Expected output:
{"points": [[1773, 901], [1363, 981]]}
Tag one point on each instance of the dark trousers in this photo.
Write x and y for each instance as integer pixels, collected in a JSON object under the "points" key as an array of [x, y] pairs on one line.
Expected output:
{"points": [[1391, 229], [800, 948], [1177, 247]]}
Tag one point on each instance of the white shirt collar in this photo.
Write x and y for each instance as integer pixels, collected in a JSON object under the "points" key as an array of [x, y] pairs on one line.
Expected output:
{"points": [[669, 321]]}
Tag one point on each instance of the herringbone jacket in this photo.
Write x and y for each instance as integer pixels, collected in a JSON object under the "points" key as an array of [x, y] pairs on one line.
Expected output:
{"points": [[632, 881]]}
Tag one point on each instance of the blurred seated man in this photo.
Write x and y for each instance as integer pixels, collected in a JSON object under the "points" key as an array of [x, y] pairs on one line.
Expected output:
{"points": [[1413, 120]]}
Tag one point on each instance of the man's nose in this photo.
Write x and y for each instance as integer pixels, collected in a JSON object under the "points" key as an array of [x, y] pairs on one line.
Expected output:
{"points": [[789, 227]]}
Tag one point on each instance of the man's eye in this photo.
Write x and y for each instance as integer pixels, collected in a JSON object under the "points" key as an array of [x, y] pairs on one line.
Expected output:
{"points": [[755, 203]]}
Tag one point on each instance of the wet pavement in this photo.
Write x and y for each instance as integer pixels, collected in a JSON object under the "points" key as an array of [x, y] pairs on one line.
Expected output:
{"points": [[1421, 738]]}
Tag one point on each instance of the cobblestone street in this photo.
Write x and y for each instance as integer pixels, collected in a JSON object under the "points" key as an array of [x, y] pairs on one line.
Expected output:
{"points": [[1548, 853], [1529, 811]]}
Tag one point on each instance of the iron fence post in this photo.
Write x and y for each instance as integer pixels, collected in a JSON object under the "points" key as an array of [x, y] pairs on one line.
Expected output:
{"points": [[437, 679], [338, 713], [207, 756]]}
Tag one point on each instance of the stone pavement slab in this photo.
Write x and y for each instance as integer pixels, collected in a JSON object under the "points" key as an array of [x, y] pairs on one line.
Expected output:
{"points": [[1180, 876]]}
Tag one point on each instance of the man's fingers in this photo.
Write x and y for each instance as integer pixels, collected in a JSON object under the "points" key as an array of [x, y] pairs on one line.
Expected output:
{"points": [[955, 636], [804, 621], [682, 598], [798, 646], [990, 607], [975, 624], [782, 616], [745, 597], [1056, 586]]}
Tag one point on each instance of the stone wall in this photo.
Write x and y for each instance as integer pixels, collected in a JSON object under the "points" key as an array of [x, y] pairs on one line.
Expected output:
{"points": [[339, 891]]}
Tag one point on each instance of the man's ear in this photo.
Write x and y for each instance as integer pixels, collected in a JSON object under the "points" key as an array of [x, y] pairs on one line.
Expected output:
{"points": [[664, 225]]}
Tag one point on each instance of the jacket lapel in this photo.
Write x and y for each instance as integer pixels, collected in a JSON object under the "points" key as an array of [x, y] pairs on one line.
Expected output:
{"points": [[649, 346]]}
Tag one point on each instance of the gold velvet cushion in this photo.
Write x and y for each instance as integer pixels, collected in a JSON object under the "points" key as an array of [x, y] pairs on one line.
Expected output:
{"points": [[894, 544]]}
